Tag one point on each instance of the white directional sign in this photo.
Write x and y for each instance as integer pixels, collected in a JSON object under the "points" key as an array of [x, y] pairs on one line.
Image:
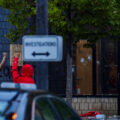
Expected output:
{"points": [[42, 48]]}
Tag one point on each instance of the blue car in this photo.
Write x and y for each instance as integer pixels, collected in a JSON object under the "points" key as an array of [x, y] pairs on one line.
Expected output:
{"points": [[32, 104]]}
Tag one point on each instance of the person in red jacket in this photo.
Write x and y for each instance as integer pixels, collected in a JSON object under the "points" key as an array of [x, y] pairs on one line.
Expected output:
{"points": [[26, 72]]}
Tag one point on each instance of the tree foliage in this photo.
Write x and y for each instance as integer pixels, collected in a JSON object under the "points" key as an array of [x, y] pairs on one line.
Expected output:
{"points": [[20, 13], [84, 19], [89, 19]]}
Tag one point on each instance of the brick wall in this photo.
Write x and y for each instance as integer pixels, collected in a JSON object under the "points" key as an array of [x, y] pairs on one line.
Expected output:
{"points": [[107, 106]]}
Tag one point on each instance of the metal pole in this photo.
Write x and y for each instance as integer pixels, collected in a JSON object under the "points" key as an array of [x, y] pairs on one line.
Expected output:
{"points": [[94, 69], [69, 61], [42, 17], [118, 78], [42, 29]]}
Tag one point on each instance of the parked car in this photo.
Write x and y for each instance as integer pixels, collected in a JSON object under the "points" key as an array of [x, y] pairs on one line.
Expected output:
{"points": [[17, 104]]}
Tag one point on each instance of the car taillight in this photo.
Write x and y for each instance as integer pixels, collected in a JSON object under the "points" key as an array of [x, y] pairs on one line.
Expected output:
{"points": [[11, 116], [14, 116]]}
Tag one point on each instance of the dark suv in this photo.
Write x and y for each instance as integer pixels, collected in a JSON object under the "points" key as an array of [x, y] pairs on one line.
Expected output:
{"points": [[17, 104]]}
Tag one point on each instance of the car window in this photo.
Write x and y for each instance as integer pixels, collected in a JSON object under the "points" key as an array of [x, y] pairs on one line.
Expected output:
{"points": [[65, 111], [43, 110]]}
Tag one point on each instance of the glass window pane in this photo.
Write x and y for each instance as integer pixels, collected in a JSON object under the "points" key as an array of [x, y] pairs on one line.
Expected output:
{"points": [[108, 67], [43, 110]]}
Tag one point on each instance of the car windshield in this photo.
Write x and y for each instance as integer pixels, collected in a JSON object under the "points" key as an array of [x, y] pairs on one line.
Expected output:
{"points": [[3, 106]]}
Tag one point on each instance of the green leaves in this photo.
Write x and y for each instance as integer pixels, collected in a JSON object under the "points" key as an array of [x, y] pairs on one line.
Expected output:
{"points": [[21, 12], [85, 19]]}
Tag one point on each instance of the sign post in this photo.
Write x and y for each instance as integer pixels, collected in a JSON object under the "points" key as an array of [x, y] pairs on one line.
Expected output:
{"points": [[41, 68]]}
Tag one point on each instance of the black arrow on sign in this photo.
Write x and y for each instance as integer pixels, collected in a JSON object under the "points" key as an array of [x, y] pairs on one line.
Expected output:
{"points": [[46, 54]]}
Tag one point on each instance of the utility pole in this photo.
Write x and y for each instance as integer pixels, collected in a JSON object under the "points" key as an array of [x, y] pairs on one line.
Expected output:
{"points": [[42, 29], [118, 85], [94, 69], [69, 62]]}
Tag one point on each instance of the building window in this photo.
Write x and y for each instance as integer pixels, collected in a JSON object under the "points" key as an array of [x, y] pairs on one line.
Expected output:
{"points": [[106, 68]]}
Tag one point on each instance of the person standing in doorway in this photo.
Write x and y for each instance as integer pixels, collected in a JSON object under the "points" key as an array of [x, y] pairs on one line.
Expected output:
{"points": [[26, 72]]}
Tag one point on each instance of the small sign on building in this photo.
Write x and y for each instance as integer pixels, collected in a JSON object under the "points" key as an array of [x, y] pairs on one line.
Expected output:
{"points": [[13, 49]]}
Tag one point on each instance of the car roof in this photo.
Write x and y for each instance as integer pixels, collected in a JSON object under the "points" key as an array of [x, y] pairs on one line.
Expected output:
{"points": [[31, 89], [37, 91], [14, 91], [23, 86]]}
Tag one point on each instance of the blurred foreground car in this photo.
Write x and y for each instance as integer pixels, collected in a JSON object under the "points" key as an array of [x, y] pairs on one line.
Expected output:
{"points": [[32, 104]]}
